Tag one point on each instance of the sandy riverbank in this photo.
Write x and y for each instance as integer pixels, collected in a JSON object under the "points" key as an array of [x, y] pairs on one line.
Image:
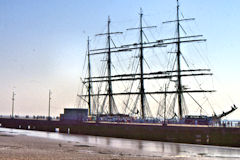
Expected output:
{"points": [[22, 147]]}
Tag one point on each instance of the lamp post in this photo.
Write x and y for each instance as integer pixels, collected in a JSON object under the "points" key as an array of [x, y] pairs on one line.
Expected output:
{"points": [[13, 98]]}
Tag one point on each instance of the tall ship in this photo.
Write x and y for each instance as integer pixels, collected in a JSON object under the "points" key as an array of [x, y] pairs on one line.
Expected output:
{"points": [[133, 89], [137, 90]]}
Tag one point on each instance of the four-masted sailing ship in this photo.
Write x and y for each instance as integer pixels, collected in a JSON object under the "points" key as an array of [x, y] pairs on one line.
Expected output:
{"points": [[131, 86]]}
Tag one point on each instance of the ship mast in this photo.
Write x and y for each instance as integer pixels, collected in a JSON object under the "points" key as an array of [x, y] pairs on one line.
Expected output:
{"points": [[179, 83], [109, 64], [110, 96], [141, 58], [89, 76], [141, 67], [178, 41]]}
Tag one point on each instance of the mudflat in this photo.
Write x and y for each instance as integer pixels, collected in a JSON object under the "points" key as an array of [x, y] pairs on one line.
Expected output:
{"points": [[23, 147]]}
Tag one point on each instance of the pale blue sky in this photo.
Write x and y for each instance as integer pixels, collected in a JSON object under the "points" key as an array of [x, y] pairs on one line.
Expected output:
{"points": [[42, 44]]}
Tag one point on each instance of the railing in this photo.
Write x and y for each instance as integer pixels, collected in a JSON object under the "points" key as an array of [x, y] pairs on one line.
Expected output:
{"points": [[38, 117], [129, 120]]}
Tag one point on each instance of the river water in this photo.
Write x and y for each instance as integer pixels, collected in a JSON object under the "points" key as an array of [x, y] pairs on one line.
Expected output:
{"points": [[139, 147]]}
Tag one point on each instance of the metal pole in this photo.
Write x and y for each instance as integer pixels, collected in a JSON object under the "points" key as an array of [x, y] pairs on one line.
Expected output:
{"points": [[165, 104], [13, 98], [49, 104]]}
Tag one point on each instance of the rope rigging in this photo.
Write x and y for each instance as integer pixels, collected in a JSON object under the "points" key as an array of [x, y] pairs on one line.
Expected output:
{"points": [[137, 89]]}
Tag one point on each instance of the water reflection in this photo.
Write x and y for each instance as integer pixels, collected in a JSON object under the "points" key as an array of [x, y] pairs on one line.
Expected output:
{"points": [[140, 147], [108, 141]]}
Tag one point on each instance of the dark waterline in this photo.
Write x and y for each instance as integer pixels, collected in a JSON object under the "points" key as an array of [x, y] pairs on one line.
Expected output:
{"points": [[138, 147]]}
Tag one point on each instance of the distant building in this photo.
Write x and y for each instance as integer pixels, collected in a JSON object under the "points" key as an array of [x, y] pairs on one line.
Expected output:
{"points": [[74, 114]]}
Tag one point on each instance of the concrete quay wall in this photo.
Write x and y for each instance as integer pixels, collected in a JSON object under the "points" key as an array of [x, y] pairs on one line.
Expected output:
{"points": [[178, 134]]}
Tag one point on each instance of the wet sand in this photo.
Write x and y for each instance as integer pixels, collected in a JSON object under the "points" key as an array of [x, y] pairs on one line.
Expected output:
{"points": [[22, 147]]}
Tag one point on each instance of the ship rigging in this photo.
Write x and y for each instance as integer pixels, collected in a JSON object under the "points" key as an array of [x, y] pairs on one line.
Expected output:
{"points": [[174, 77]]}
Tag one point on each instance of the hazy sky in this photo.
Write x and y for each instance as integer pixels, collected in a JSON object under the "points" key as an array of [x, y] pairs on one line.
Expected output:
{"points": [[43, 42]]}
